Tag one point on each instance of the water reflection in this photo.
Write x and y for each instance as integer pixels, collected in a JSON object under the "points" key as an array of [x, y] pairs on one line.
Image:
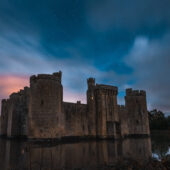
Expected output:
{"points": [[82, 155], [160, 145]]}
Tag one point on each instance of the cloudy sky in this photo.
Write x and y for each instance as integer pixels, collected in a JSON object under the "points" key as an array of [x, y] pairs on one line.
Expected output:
{"points": [[123, 43]]}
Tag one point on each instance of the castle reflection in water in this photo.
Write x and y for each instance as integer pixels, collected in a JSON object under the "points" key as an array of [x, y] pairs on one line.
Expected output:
{"points": [[81, 155]]}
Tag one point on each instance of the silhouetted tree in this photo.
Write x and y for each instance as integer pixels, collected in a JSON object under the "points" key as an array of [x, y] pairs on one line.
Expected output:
{"points": [[158, 121]]}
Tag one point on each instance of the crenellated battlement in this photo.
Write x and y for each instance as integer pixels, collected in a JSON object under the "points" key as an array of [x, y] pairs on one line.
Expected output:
{"points": [[19, 93], [91, 82], [57, 76], [78, 102], [106, 89], [4, 101], [14, 95], [130, 92]]}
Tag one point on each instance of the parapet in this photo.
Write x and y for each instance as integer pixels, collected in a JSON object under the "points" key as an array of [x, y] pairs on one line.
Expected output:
{"points": [[4, 101], [91, 82], [26, 88], [58, 75], [14, 95], [106, 89], [130, 92], [79, 102], [55, 76]]}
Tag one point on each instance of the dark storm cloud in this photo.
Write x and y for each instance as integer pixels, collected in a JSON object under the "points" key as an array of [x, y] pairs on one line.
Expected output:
{"points": [[132, 15], [101, 38], [151, 61]]}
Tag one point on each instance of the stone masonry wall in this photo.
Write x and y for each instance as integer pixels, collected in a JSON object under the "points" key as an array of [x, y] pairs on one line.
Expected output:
{"points": [[39, 111], [135, 102], [76, 123], [4, 117], [91, 107], [17, 113], [14, 114], [123, 116], [45, 108], [107, 111]]}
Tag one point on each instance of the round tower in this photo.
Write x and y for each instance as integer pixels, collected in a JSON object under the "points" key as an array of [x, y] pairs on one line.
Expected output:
{"points": [[45, 107]]}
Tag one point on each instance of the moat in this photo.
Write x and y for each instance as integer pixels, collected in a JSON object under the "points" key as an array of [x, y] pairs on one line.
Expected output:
{"points": [[84, 155]]}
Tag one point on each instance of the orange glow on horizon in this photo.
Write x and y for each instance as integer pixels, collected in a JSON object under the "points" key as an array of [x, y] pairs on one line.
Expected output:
{"points": [[12, 83]]}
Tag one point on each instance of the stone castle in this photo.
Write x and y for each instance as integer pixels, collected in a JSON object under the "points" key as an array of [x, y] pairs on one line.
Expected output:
{"points": [[39, 112]]}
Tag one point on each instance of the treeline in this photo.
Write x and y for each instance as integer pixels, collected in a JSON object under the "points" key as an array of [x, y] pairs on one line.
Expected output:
{"points": [[158, 121]]}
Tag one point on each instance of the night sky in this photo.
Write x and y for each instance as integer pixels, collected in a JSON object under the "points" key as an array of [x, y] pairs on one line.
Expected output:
{"points": [[123, 43]]}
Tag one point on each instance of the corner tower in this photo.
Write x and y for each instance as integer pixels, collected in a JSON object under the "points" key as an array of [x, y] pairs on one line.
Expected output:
{"points": [[45, 107], [136, 105], [91, 106]]}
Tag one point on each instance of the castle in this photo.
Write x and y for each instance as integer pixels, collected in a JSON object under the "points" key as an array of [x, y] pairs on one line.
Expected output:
{"points": [[39, 112]]}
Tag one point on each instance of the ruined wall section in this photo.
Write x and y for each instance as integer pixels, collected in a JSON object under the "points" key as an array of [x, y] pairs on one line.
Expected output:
{"points": [[13, 115], [135, 102], [76, 123], [46, 119], [24, 108], [107, 111], [18, 113], [123, 116], [4, 117]]}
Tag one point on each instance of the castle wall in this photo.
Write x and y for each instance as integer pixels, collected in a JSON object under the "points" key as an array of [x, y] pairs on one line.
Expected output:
{"points": [[123, 116], [107, 111], [4, 116], [135, 102], [76, 123], [46, 119], [17, 113], [13, 115], [39, 111], [23, 120], [91, 107]]}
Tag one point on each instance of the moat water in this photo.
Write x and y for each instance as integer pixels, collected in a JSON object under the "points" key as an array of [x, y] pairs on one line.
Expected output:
{"points": [[91, 155]]}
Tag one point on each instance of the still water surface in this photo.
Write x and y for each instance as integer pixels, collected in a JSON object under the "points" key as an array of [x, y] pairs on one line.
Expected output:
{"points": [[15, 155]]}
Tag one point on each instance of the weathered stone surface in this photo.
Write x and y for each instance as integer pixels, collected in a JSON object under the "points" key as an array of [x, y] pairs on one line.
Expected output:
{"points": [[17, 113], [4, 116], [135, 102], [45, 107], [39, 111], [75, 119]]}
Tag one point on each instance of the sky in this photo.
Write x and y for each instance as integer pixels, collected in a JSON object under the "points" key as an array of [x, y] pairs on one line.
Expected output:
{"points": [[121, 43]]}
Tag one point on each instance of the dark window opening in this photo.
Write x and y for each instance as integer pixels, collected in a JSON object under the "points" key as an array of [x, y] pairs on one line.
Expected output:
{"points": [[83, 128], [42, 102], [117, 128], [110, 128]]}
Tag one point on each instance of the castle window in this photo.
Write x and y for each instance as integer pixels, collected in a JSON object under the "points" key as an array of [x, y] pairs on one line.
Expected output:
{"points": [[110, 127], [83, 128], [117, 128], [42, 102]]}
